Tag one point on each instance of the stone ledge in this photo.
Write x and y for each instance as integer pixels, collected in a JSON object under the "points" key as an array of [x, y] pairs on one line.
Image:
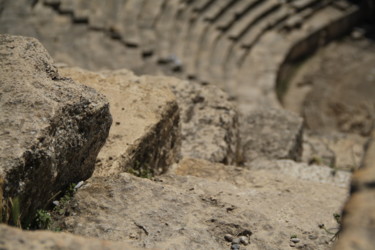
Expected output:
{"points": [[52, 128]]}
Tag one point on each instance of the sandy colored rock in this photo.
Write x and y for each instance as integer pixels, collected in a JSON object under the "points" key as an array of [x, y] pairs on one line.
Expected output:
{"points": [[68, 42], [338, 150], [271, 134], [14, 238], [358, 226], [145, 135], [209, 121], [52, 127], [339, 94], [196, 210]]}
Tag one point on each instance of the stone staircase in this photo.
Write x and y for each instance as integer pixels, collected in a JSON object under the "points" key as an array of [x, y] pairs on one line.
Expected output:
{"points": [[208, 41], [246, 48]]}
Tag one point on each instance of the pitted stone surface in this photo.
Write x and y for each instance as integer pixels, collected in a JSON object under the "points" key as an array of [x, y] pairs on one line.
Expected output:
{"points": [[271, 134], [205, 201], [209, 120], [145, 135], [52, 127], [14, 239]]}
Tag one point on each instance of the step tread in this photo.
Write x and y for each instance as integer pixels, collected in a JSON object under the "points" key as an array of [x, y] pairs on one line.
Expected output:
{"points": [[251, 17], [237, 10]]}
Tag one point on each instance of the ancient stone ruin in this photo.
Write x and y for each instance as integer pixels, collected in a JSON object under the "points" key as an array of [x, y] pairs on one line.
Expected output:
{"points": [[187, 124]]}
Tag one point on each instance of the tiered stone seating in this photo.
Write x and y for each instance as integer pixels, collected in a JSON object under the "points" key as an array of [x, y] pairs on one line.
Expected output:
{"points": [[147, 19], [67, 6], [164, 29], [208, 40]]}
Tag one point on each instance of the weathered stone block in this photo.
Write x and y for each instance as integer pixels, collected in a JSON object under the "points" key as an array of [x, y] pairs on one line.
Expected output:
{"points": [[209, 120], [145, 137], [271, 134], [51, 127]]}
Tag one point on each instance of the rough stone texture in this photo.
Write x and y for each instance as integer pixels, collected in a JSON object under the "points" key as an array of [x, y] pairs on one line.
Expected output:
{"points": [[337, 150], [336, 99], [14, 239], [339, 99], [302, 171], [358, 226], [68, 42], [146, 133], [196, 210], [271, 134], [52, 128], [209, 121]]}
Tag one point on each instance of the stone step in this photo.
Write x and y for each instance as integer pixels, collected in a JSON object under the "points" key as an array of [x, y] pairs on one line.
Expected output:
{"points": [[52, 2], [196, 33], [254, 15], [256, 31], [319, 27], [211, 34], [131, 34], [100, 13], [141, 135], [219, 54], [240, 50], [179, 36], [165, 30], [201, 5], [232, 64], [304, 13], [67, 6], [81, 11], [342, 4], [147, 19], [217, 9], [207, 44], [235, 12], [195, 36], [303, 4]]}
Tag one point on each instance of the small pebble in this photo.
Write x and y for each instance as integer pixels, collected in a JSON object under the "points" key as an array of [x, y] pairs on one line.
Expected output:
{"points": [[228, 237], [236, 241], [235, 247], [244, 240], [295, 240], [56, 203], [313, 237], [292, 244]]}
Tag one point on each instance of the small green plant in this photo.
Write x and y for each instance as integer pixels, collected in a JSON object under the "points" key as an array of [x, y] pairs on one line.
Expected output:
{"points": [[335, 234], [61, 208], [293, 236], [43, 219], [315, 160], [337, 218], [141, 171]]}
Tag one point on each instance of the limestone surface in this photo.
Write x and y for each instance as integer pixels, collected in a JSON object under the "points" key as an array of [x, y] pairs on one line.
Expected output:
{"points": [[145, 136], [209, 120], [14, 238], [271, 134], [358, 225], [52, 128], [200, 202]]}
